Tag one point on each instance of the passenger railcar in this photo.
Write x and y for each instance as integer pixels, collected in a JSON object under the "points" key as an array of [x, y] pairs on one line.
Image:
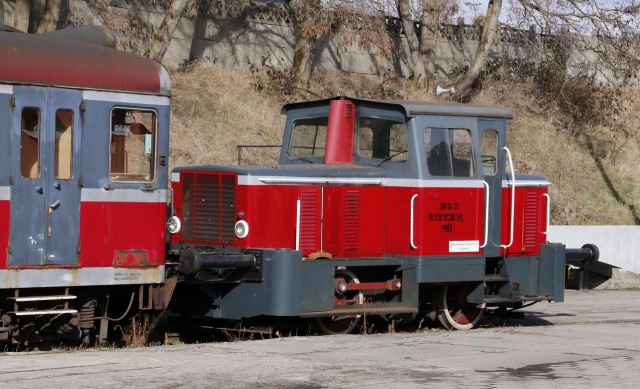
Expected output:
{"points": [[390, 208], [84, 135]]}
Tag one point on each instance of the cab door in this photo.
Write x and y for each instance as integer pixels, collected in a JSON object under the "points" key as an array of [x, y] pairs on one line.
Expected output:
{"points": [[45, 196], [492, 142]]}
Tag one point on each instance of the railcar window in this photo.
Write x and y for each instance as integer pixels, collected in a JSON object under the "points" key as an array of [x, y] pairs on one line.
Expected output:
{"points": [[30, 143], [64, 144], [308, 138], [449, 152], [133, 143], [382, 139], [489, 150]]}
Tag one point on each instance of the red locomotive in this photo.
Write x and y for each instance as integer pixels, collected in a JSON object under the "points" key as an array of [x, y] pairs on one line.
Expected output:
{"points": [[390, 208], [84, 136]]}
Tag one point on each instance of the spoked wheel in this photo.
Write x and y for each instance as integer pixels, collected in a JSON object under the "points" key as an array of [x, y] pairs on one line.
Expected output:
{"points": [[454, 312], [332, 325]]}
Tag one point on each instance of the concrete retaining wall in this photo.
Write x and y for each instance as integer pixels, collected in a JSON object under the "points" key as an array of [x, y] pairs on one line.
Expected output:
{"points": [[619, 245]]}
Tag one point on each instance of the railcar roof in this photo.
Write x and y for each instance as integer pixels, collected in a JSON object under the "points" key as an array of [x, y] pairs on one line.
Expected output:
{"points": [[56, 61], [415, 108]]}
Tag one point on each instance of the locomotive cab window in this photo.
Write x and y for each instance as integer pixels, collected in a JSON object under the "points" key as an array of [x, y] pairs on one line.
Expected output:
{"points": [[382, 139], [449, 152], [489, 150], [133, 143], [30, 143], [308, 138]]}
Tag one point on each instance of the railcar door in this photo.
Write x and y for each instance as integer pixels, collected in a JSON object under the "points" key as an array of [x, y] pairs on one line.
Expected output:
{"points": [[45, 195], [492, 142]]}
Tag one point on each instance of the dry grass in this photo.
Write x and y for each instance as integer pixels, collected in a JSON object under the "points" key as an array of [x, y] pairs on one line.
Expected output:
{"points": [[215, 108]]}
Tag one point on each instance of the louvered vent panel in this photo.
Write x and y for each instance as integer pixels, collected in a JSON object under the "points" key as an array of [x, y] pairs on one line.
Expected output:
{"points": [[530, 220], [208, 207], [228, 207], [352, 221], [309, 220]]}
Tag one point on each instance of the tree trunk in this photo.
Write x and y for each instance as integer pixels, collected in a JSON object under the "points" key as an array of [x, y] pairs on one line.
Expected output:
{"points": [[50, 16], [303, 56], [489, 32], [162, 38], [21, 15], [406, 18], [429, 35]]}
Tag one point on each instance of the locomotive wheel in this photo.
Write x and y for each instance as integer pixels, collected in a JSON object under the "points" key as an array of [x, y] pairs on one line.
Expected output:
{"points": [[454, 312], [332, 325]]}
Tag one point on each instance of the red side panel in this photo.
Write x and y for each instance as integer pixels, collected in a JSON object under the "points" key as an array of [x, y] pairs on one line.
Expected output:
{"points": [[530, 220], [445, 221], [340, 132], [122, 234]]}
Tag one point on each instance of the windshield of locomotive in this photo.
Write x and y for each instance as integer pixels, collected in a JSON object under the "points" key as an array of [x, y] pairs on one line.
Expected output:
{"points": [[308, 138], [383, 139]]}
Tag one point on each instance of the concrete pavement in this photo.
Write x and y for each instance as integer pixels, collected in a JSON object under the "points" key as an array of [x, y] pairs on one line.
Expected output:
{"points": [[592, 340]]}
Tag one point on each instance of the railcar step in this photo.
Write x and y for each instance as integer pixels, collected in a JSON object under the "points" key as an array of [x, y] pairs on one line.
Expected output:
{"points": [[363, 310], [493, 299], [45, 312], [28, 299]]}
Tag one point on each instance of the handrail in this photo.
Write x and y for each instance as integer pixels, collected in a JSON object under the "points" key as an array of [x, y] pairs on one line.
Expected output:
{"points": [[486, 215], [548, 213], [513, 198], [298, 225], [413, 246]]}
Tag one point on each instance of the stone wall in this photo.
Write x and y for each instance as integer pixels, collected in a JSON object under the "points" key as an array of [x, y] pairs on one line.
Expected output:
{"points": [[253, 32]]}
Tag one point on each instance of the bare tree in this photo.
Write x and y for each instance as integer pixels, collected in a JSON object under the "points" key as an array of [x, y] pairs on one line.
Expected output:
{"points": [[487, 40], [21, 15], [162, 39], [313, 19], [606, 30], [50, 16], [423, 43]]}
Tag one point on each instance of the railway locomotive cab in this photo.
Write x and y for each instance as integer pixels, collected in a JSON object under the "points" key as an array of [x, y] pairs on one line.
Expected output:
{"points": [[375, 207], [84, 134]]}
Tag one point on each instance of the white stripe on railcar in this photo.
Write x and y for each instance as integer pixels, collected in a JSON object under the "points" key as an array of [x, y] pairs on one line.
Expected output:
{"points": [[388, 182], [86, 276], [131, 98], [5, 193], [6, 89], [123, 195]]}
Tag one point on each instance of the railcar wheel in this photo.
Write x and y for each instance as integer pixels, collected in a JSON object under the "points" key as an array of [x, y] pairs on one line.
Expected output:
{"points": [[332, 325], [454, 312]]}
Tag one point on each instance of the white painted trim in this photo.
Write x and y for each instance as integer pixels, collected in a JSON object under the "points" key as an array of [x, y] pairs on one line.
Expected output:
{"points": [[6, 89], [123, 195], [388, 182], [87, 276], [5, 193], [316, 180], [124, 98], [525, 183]]}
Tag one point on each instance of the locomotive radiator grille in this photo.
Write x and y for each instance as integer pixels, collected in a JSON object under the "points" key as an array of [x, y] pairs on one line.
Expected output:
{"points": [[208, 207]]}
